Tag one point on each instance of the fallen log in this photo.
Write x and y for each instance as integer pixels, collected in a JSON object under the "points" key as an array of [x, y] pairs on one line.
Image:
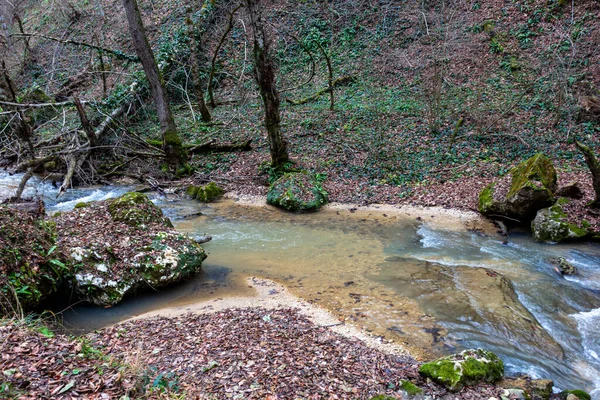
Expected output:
{"points": [[212, 147]]}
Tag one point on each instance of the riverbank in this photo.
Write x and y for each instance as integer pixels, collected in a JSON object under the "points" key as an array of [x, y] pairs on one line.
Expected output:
{"points": [[270, 346]]}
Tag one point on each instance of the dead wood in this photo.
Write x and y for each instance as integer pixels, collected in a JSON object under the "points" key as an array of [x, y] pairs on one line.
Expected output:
{"points": [[34, 163], [116, 53], [212, 147]]}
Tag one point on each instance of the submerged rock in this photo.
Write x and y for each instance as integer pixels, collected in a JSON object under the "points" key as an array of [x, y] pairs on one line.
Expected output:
{"points": [[527, 188], [552, 225], [124, 245], [482, 296], [469, 367], [562, 266], [206, 193], [297, 191], [532, 388]]}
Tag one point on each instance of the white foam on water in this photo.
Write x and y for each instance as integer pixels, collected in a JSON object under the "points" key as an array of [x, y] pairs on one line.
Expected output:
{"points": [[588, 323], [96, 195]]}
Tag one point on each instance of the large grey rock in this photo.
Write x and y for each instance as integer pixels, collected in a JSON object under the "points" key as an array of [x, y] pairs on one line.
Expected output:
{"points": [[124, 245], [527, 188]]}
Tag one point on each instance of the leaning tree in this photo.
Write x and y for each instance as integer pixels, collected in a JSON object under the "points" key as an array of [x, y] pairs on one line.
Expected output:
{"points": [[172, 145]]}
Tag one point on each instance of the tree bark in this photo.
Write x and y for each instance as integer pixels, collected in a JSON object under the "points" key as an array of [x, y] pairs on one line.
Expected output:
{"points": [[196, 79], [594, 166], [171, 142], [85, 122], [265, 78]]}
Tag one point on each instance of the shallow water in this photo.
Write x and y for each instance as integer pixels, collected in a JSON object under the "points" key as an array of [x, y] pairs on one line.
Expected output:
{"points": [[435, 289]]}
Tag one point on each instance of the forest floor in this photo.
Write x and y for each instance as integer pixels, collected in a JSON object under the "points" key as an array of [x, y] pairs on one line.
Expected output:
{"points": [[279, 348]]}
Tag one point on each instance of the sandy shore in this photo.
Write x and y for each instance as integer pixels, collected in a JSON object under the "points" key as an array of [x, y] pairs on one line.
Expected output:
{"points": [[436, 217]]}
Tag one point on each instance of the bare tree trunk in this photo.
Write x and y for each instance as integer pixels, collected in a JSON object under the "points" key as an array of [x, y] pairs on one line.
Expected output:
{"points": [[594, 166], [85, 122], [213, 64], [171, 142], [265, 78], [24, 130], [23, 182], [194, 60]]}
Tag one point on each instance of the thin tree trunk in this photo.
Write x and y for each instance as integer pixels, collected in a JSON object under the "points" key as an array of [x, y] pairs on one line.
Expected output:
{"points": [[265, 78], [196, 79], [171, 142], [24, 130], [329, 77], [85, 122], [213, 63], [102, 73], [594, 166], [23, 182]]}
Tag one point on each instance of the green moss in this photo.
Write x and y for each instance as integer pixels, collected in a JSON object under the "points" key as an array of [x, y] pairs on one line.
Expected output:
{"points": [[155, 143], [206, 193], [486, 198], [136, 209], [581, 394], [410, 388], [538, 168], [383, 397], [467, 368], [192, 190], [552, 225], [297, 191], [82, 204]]}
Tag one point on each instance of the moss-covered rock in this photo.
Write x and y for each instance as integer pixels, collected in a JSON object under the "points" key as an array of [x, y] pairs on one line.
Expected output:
{"points": [[206, 193], [31, 266], [527, 188], [552, 225], [297, 191], [469, 367], [136, 209], [580, 394], [169, 258], [129, 246]]}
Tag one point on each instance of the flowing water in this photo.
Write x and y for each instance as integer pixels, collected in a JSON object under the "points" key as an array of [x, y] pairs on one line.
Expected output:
{"points": [[434, 289]]}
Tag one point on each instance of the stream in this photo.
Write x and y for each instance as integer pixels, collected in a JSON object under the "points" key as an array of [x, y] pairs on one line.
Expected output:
{"points": [[433, 289]]}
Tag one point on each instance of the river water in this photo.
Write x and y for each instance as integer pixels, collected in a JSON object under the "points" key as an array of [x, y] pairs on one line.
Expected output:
{"points": [[435, 289]]}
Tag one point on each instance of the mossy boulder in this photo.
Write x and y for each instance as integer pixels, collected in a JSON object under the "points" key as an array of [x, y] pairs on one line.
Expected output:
{"points": [[552, 225], [297, 191], [206, 193], [136, 209], [469, 367], [527, 188], [580, 394], [127, 246], [31, 266]]}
